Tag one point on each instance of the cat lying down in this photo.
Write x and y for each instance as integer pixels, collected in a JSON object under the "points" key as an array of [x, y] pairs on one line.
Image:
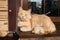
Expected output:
{"points": [[38, 24], [42, 24]]}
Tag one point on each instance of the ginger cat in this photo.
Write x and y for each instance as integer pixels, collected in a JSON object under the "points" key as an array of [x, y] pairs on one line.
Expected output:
{"points": [[24, 20], [24, 15], [38, 24], [42, 24]]}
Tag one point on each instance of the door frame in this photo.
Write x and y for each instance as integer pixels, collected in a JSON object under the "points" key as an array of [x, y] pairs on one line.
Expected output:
{"points": [[12, 14]]}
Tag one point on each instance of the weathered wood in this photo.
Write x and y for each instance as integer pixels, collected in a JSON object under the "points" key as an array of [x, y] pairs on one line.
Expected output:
{"points": [[42, 38], [3, 13], [25, 4], [4, 17], [3, 4], [13, 6], [3, 8], [12, 15], [6, 38], [55, 19], [30, 34], [3, 25]]}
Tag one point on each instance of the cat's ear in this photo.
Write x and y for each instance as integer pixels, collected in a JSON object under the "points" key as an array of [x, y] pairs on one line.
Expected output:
{"points": [[29, 10]]}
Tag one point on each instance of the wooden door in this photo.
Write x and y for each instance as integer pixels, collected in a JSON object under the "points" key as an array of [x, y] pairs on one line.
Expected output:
{"points": [[12, 15], [25, 4], [13, 9]]}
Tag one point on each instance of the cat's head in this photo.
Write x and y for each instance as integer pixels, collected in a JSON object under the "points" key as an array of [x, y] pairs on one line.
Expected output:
{"points": [[24, 14]]}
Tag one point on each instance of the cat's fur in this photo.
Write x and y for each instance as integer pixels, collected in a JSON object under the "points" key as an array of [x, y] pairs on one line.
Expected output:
{"points": [[38, 24], [25, 17], [24, 14], [42, 24]]}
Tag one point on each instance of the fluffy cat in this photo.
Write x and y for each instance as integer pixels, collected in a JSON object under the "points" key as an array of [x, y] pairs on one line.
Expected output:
{"points": [[42, 24], [24, 20], [24, 14], [38, 24]]}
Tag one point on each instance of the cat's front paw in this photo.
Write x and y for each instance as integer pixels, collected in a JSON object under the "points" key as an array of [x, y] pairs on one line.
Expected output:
{"points": [[38, 30]]}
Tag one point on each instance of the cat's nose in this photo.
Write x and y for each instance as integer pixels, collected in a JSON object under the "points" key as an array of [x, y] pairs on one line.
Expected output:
{"points": [[23, 17]]}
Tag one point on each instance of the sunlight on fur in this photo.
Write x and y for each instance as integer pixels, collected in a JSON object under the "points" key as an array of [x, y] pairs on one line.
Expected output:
{"points": [[38, 24]]}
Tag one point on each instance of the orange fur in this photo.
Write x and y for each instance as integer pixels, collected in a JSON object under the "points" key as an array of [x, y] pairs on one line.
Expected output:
{"points": [[38, 24]]}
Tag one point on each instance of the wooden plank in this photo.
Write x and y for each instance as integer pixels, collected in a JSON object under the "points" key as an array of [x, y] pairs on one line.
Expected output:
{"points": [[12, 15], [3, 0], [3, 4], [3, 13], [3, 17], [3, 25], [3, 8], [6, 38], [25, 4], [30, 34], [55, 19], [41, 38]]}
